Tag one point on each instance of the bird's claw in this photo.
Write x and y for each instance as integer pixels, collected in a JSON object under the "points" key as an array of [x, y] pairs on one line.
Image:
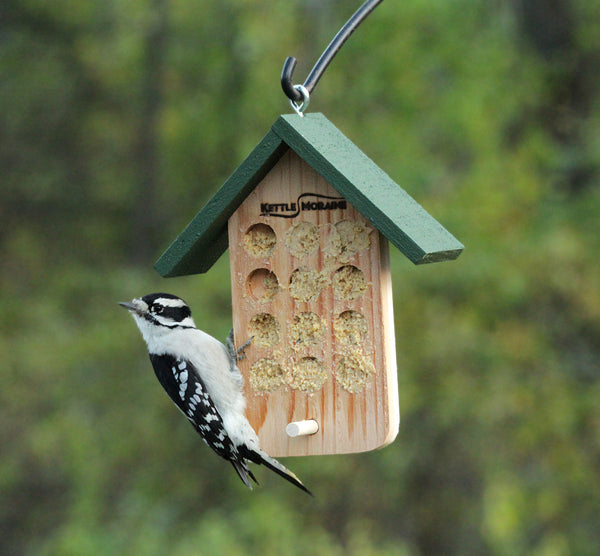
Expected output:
{"points": [[239, 353]]}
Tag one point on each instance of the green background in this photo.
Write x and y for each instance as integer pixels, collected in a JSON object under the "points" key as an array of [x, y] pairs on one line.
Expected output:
{"points": [[120, 119]]}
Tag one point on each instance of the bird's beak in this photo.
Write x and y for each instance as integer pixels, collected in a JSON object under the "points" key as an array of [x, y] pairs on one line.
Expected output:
{"points": [[136, 306]]}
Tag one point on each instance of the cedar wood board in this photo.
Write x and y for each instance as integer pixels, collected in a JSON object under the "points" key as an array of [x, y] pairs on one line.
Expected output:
{"points": [[348, 422]]}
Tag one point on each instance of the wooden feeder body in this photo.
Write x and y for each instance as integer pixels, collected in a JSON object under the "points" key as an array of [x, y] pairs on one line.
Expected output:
{"points": [[308, 211], [311, 283]]}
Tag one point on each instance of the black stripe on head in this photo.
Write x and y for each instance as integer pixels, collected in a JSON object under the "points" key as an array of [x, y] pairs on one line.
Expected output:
{"points": [[152, 297], [167, 307]]}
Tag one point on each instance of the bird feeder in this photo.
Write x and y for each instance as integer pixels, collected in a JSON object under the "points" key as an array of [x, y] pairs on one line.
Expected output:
{"points": [[307, 218]]}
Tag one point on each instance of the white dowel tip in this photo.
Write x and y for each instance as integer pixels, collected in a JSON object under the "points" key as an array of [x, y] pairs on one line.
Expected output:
{"points": [[302, 428]]}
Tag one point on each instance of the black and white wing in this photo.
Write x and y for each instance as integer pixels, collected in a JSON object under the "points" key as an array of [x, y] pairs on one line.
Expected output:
{"points": [[184, 386]]}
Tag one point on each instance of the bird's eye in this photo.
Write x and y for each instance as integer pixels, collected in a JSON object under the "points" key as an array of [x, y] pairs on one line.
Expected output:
{"points": [[157, 309]]}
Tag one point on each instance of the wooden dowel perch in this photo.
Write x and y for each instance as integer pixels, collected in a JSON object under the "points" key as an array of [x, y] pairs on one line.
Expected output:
{"points": [[302, 428]]}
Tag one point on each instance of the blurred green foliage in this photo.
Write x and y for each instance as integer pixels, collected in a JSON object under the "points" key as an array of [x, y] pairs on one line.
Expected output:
{"points": [[121, 118]]}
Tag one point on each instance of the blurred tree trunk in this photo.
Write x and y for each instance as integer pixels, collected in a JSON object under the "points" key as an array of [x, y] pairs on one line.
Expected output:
{"points": [[549, 24], [146, 217], [551, 27]]}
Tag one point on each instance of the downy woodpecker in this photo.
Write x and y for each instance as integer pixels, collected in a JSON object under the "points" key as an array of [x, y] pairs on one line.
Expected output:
{"points": [[201, 376]]}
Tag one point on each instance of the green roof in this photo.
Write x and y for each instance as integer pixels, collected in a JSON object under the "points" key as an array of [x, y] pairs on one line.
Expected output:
{"points": [[404, 222]]}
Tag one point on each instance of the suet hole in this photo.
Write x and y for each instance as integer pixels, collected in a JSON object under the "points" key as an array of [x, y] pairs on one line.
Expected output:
{"points": [[347, 238], [266, 375], [353, 371], [260, 240], [262, 285], [306, 329], [264, 330], [349, 283], [350, 328], [307, 375], [306, 284], [302, 239]]}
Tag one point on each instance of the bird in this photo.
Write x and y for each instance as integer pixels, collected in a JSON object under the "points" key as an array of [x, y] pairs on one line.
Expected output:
{"points": [[201, 376]]}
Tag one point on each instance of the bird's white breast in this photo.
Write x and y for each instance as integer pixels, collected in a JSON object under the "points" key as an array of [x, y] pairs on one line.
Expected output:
{"points": [[209, 357]]}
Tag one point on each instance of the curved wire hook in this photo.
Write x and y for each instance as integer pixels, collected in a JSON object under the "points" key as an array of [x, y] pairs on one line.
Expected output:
{"points": [[334, 46]]}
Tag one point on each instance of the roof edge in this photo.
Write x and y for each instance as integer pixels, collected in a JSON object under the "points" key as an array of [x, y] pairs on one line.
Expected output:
{"points": [[401, 219], [204, 239]]}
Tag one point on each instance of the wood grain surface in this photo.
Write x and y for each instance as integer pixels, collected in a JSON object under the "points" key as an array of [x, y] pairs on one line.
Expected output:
{"points": [[349, 421]]}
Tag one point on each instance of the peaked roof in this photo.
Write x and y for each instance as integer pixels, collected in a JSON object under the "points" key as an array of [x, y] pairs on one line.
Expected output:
{"points": [[354, 175]]}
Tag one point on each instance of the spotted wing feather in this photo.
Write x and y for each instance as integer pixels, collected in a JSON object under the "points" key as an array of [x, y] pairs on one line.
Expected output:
{"points": [[187, 390]]}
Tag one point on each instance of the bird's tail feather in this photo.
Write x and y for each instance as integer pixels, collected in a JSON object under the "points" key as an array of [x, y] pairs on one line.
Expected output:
{"points": [[244, 473], [259, 457]]}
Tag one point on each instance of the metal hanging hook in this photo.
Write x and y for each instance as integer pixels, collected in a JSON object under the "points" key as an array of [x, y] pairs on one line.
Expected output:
{"points": [[292, 92], [299, 108]]}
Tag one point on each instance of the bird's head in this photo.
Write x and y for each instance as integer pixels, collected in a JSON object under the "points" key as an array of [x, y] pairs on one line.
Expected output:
{"points": [[158, 312]]}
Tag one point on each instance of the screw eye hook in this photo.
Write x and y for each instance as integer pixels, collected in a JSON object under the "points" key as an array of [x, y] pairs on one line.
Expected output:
{"points": [[300, 107]]}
